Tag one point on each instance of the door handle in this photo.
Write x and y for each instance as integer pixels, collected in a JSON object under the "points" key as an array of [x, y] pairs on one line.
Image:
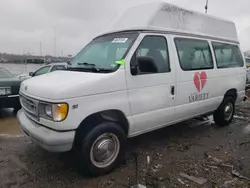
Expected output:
{"points": [[172, 90]]}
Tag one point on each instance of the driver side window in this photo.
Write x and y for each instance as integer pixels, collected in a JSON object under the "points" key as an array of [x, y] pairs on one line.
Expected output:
{"points": [[42, 70], [151, 55]]}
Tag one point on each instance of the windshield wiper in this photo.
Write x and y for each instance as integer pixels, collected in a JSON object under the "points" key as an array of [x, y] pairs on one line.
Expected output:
{"points": [[93, 66]]}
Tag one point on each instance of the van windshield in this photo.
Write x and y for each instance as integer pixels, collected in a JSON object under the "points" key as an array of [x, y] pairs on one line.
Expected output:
{"points": [[101, 54]]}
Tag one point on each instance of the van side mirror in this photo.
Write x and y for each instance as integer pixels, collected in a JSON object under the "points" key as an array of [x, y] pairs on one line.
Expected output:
{"points": [[31, 74], [134, 70], [147, 65]]}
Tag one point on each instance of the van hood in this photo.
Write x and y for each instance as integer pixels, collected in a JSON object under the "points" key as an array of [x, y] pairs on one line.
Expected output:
{"points": [[70, 84]]}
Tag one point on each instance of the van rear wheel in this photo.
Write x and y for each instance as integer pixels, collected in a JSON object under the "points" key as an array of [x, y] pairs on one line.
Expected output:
{"points": [[223, 116], [102, 149]]}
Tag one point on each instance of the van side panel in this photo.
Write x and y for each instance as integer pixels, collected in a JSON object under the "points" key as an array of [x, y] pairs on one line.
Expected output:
{"points": [[232, 78], [195, 88], [241, 84], [191, 100], [242, 72]]}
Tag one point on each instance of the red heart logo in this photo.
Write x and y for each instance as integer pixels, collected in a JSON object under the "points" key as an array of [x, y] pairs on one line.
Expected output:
{"points": [[203, 77], [197, 81], [200, 80]]}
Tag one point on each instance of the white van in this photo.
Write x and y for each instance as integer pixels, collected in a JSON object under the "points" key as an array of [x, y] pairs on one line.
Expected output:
{"points": [[160, 65]]}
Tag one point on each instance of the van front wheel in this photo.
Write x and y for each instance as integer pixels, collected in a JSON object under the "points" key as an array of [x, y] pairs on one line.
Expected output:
{"points": [[102, 149], [225, 113]]}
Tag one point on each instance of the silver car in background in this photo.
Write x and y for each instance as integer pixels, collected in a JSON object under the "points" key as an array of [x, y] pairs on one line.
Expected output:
{"points": [[44, 69]]}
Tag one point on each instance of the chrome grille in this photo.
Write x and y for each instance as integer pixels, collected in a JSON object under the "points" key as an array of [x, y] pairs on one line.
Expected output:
{"points": [[30, 106]]}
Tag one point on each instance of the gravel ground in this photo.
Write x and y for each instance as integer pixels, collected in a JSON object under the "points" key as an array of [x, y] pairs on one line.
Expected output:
{"points": [[192, 154]]}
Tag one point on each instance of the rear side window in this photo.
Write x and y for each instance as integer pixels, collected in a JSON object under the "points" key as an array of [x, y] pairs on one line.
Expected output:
{"points": [[194, 54], [227, 55]]}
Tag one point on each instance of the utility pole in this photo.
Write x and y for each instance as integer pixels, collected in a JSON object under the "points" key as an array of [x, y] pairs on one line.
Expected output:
{"points": [[206, 7], [24, 60], [41, 52], [55, 41]]}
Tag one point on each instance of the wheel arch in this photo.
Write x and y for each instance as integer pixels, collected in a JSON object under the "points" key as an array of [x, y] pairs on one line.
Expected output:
{"points": [[93, 120], [231, 93]]}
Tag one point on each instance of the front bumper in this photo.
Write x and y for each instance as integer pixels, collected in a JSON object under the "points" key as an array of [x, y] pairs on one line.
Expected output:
{"points": [[10, 101], [46, 138]]}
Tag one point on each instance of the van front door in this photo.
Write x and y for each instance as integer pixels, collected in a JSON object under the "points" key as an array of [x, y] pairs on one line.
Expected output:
{"points": [[151, 84]]}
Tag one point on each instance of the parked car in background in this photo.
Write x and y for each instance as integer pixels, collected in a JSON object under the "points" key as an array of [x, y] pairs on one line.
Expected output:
{"points": [[248, 70], [248, 62], [9, 90], [44, 69]]}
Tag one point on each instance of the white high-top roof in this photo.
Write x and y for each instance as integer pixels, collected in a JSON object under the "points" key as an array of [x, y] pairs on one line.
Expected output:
{"points": [[162, 16]]}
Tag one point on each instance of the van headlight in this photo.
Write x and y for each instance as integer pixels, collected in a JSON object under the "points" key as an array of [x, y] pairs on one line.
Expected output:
{"points": [[48, 110], [55, 112]]}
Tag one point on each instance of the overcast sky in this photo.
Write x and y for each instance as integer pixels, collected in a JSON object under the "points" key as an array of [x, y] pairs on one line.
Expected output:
{"points": [[26, 23]]}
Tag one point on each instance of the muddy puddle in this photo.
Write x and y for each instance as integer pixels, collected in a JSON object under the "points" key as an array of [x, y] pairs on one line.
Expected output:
{"points": [[9, 125], [247, 129]]}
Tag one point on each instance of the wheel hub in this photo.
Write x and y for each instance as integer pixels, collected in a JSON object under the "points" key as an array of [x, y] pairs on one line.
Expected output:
{"points": [[104, 150], [228, 112]]}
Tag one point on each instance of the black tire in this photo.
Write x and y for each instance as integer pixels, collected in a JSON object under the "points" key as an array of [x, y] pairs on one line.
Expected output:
{"points": [[220, 117], [85, 163]]}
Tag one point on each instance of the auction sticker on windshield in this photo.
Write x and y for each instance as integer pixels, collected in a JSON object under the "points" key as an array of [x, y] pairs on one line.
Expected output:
{"points": [[119, 40]]}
